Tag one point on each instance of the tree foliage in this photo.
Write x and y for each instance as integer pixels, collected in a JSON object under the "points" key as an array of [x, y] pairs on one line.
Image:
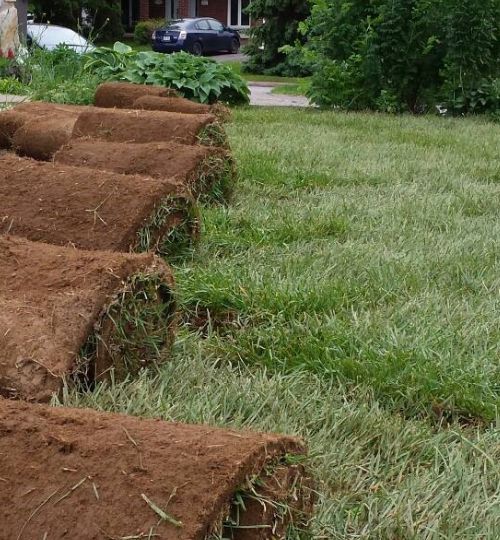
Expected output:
{"points": [[396, 55], [277, 27], [104, 16]]}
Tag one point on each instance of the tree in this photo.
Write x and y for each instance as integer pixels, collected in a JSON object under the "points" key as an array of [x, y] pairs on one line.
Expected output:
{"points": [[279, 22]]}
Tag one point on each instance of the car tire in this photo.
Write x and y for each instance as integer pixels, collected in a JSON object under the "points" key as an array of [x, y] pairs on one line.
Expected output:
{"points": [[235, 46], [197, 49]]}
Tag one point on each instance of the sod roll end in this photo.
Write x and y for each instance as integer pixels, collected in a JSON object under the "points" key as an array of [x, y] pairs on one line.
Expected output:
{"points": [[75, 316], [96, 475]]}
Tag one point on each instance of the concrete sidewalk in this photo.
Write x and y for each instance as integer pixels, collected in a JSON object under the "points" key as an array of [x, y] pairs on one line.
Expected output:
{"points": [[9, 100], [261, 95]]}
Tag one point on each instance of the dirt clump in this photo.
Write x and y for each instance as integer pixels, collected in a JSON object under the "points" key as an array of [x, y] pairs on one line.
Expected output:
{"points": [[123, 95], [205, 171], [97, 476], [55, 308], [94, 210]]}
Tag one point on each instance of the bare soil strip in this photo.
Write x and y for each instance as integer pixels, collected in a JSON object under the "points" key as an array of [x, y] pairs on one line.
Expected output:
{"points": [[67, 314], [207, 172], [94, 210], [98, 475]]}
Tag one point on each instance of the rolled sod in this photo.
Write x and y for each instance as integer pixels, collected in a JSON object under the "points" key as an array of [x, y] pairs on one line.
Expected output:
{"points": [[73, 315], [13, 119], [124, 125], [94, 210], [209, 173], [83, 474], [182, 105], [40, 139], [123, 95]]}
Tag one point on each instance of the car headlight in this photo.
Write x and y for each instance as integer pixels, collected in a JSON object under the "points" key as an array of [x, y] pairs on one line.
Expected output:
{"points": [[183, 34]]}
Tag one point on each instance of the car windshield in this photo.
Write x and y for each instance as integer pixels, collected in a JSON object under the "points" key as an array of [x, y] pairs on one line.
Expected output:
{"points": [[49, 37]]}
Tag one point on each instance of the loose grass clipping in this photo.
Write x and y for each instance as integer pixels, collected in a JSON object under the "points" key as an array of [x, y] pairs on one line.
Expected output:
{"points": [[124, 125], [94, 210], [73, 315], [123, 95], [209, 173], [95, 475]]}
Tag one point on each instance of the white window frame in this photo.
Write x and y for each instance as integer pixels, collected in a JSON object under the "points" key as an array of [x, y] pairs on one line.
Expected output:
{"points": [[239, 25]]}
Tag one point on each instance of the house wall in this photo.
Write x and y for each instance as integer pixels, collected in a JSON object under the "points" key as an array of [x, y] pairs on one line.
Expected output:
{"points": [[213, 8]]}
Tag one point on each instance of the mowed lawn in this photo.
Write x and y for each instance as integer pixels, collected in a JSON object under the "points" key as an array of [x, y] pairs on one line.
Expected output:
{"points": [[350, 294]]}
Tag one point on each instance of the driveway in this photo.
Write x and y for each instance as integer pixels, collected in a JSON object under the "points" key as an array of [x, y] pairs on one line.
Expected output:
{"points": [[240, 57]]}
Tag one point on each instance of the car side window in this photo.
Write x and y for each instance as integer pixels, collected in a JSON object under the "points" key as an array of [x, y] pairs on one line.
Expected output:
{"points": [[202, 25], [216, 25]]}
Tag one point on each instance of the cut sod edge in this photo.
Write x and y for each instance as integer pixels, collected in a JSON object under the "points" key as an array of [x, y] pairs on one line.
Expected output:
{"points": [[122, 341], [173, 227], [214, 178], [213, 134], [289, 515]]}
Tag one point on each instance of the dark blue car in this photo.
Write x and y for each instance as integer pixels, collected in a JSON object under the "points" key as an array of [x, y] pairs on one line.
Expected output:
{"points": [[197, 36]]}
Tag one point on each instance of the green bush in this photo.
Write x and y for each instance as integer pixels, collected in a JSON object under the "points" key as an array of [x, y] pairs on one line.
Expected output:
{"points": [[57, 76], [197, 78], [265, 49], [144, 30], [398, 55]]}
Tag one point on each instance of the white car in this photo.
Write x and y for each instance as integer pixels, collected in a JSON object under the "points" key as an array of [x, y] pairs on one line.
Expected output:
{"points": [[48, 36]]}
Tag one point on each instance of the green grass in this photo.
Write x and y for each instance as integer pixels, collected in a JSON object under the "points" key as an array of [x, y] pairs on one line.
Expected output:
{"points": [[353, 292], [236, 67], [297, 89]]}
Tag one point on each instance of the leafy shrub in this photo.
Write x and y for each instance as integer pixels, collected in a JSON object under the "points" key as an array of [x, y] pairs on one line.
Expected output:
{"points": [[10, 85], [196, 78], [57, 76], [144, 30], [397, 55], [282, 18]]}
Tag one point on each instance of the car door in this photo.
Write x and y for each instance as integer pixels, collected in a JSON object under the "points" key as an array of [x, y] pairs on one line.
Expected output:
{"points": [[222, 40], [206, 36]]}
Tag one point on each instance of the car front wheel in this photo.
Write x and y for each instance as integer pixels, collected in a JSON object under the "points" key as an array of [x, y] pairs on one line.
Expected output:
{"points": [[235, 46], [197, 49]]}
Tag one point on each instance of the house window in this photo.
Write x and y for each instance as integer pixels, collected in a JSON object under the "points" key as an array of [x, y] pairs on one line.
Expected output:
{"points": [[236, 15]]}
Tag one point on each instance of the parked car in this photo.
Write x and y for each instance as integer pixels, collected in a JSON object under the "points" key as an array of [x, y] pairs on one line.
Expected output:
{"points": [[48, 36], [197, 36]]}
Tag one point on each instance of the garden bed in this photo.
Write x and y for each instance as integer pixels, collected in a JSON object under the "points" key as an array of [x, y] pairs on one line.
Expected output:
{"points": [[76, 316]]}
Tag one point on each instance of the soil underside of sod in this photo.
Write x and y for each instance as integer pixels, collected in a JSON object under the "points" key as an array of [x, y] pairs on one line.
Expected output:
{"points": [[124, 95], [123, 125], [92, 209], [208, 172], [97, 476], [67, 313]]}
